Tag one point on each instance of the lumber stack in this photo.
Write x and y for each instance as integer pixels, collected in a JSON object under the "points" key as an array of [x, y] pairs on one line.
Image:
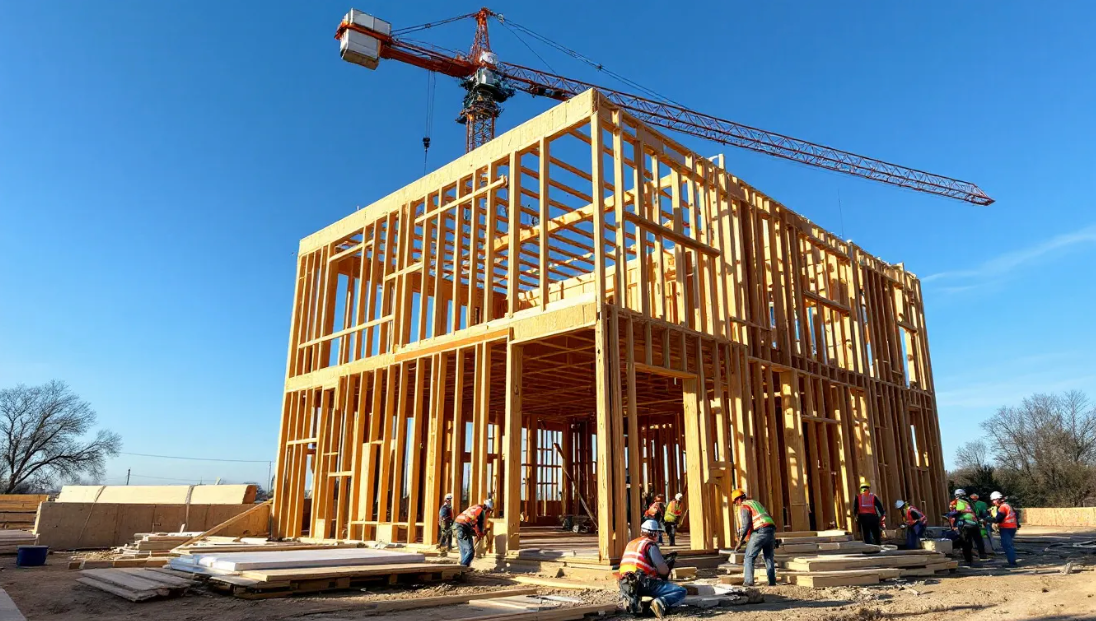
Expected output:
{"points": [[863, 569], [154, 544], [10, 540], [18, 511], [137, 584], [255, 575]]}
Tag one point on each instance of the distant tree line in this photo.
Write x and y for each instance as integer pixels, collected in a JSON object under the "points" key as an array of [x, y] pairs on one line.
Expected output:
{"points": [[47, 439], [1041, 453]]}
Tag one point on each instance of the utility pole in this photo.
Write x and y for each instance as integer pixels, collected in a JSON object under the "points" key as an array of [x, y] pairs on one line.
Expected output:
{"points": [[127, 475]]}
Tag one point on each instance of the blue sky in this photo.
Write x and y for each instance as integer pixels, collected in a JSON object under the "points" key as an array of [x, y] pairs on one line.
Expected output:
{"points": [[159, 165]]}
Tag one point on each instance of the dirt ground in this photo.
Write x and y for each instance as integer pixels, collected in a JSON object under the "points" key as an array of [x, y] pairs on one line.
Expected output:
{"points": [[1036, 590]]}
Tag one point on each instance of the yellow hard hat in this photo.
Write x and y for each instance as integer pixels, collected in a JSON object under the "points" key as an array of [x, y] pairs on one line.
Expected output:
{"points": [[736, 494]]}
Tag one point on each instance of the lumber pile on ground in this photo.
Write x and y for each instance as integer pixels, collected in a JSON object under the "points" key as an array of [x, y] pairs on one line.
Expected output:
{"points": [[17, 511], [291, 572], [862, 569], [137, 585], [10, 540]]}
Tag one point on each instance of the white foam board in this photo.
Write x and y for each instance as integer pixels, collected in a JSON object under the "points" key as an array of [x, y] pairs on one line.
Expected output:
{"points": [[285, 559]]}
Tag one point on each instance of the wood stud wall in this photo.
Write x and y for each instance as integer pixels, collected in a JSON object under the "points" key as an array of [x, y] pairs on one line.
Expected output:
{"points": [[583, 278]]}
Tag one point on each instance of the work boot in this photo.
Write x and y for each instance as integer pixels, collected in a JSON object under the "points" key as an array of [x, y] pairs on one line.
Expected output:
{"points": [[658, 608]]}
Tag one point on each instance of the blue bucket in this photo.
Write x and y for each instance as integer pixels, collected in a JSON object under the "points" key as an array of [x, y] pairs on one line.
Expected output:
{"points": [[31, 556]]}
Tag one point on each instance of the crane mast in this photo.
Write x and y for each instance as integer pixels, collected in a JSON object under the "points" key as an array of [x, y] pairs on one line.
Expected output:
{"points": [[365, 40]]}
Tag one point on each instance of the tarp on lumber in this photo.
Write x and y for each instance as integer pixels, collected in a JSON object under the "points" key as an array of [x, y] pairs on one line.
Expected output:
{"points": [[248, 561], [159, 494]]}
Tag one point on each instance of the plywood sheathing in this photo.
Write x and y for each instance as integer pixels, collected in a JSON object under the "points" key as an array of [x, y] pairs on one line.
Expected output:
{"points": [[587, 282]]}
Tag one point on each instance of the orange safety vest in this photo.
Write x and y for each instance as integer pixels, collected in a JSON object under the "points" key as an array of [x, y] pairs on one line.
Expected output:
{"points": [[470, 517], [909, 516], [1010, 520], [865, 503], [759, 516], [654, 509], [635, 558]]}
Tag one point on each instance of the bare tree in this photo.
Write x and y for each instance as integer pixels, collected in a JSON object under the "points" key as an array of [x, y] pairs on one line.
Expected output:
{"points": [[43, 439], [1047, 446]]}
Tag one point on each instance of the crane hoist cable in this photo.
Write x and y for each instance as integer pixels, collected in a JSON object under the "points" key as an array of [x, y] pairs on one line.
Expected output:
{"points": [[431, 82]]}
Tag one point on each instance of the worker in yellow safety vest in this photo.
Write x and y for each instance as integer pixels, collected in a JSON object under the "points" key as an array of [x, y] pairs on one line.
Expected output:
{"points": [[759, 528], [471, 526], [869, 515], [966, 523], [1008, 522], [644, 571], [672, 520]]}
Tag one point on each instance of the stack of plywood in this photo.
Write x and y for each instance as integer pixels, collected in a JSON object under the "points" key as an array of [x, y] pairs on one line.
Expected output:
{"points": [[862, 569], [17, 511], [289, 572], [137, 584], [155, 544]]}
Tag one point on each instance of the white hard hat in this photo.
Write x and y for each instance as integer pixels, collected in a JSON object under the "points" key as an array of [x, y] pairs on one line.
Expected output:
{"points": [[489, 504], [651, 526], [678, 496], [898, 503], [960, 492], [996, 496], [449, 497]]}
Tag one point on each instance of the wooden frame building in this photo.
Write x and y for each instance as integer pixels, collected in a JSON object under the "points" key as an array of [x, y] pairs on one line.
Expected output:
{"points": [[581, 311]]}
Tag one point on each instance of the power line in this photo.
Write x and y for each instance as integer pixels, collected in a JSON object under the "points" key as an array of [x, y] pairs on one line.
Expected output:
{"points": [[238, 461]]}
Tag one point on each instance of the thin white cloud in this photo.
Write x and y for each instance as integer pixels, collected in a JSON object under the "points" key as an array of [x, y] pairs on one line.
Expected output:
{"points": [[1005, 263]]}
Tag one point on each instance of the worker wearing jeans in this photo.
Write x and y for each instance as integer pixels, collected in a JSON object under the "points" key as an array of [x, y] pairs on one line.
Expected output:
{"points": [[760, 528]]}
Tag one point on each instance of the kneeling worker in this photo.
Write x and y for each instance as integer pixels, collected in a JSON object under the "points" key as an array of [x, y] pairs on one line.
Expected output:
{"points": [[759, 526], [470, 526], [644, 571]]}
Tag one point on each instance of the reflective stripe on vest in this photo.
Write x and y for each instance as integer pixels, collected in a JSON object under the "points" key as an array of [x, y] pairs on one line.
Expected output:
{"points": [[654, 509], [1010, 520], [866, 503], [760, 517], [909, 516], [635, 558], [470, 515], [963, 506]]}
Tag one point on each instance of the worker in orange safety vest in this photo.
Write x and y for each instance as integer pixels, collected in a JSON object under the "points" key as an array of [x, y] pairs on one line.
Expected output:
{"points": [[869, 513], [914, 523], [656, 512], [471, 526], [644, 571], [1008, 522]]}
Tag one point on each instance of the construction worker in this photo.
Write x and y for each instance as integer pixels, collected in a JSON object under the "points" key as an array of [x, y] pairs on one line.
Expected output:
{"points": [[1008, 522], [981, 511], [644, 571], [656, 512], [869, 512], [674, 511], [758, 526], [914, 523], [967, 525], [445, 523], [470, 526]]}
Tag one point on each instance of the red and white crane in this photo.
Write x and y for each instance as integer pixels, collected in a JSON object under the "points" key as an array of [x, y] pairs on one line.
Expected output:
{"points": [[365, 40]]}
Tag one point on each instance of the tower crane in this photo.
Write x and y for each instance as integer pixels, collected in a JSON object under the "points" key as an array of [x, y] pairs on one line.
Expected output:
{"points": [[488, 82]]}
